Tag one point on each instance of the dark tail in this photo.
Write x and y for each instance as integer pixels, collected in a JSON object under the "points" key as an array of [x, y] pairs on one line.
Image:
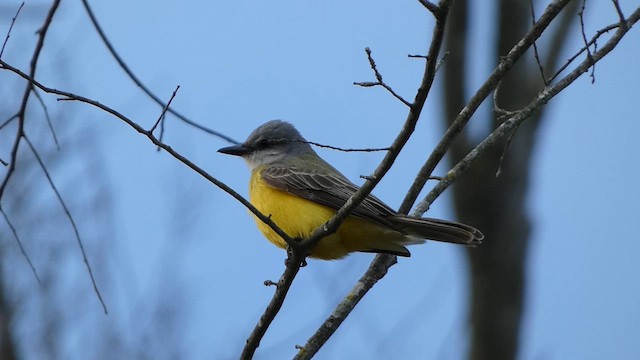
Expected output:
{"points": [[438, 230]]}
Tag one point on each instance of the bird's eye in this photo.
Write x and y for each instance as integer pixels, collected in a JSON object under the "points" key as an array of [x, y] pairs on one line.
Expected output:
{"points": [[263, 143]]}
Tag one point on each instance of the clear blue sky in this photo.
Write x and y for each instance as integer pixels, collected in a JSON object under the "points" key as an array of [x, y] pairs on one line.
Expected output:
{"points": [[241, 63]]}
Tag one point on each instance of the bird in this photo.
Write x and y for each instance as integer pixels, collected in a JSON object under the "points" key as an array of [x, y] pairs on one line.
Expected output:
{"points": [[299, 191]]}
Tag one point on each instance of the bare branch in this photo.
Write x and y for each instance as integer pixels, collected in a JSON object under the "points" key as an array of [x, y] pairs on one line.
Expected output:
{"points": [[42, 32], [584, 38], [9, 120], [435, 9], [13, 20], [164, 109], [71, 221], [379, 81], [282, 288], [535, 47], [345, 149], [382, 262], [512, 123], [376, 271], [504, 151], [22, 250], [385, 261], [412, 118], [559, 36], [46, 115], [620, 13], [593, 40], [67, 96], [139, 83], [489, 85], [496, 107]]}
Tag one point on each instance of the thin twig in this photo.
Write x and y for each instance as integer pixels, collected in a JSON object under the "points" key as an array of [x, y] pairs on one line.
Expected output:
{"points": [[71, 221], [68, 96], [401, 139], [13, 20], [9, 120], [616, 5], [496, 107], [46, 115], [535, 46], [506, 63], [42, 32], [345, 149], [376, 271], [382, 262], [139, 83], [593, 40], [379, 81], [584, 39], [282, 288], [22, 250], [164, 109], [544, 96], [435, 9], [504, 151], [161, 136]]}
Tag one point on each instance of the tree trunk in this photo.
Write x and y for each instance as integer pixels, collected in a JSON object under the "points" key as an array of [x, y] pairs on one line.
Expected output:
{"points": [[496, 205]]}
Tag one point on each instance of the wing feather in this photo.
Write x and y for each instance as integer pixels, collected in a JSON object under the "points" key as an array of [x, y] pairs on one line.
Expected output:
{"points": [[332, 191]]}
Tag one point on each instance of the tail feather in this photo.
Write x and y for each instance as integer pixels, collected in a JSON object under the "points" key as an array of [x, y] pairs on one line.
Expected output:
{"points": [[438, 230]]}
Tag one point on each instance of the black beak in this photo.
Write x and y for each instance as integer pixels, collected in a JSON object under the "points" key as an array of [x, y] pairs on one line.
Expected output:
{"points": [[237, 150]]}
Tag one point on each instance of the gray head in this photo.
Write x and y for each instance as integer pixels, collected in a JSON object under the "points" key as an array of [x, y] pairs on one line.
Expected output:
{"points": [[271, 142]]}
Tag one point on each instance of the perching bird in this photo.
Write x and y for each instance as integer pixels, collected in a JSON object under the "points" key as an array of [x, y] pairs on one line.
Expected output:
{"points": [[300, 191]]}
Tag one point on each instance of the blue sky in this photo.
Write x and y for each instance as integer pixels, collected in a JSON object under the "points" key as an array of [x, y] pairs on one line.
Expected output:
{"points": [[242, 63]]}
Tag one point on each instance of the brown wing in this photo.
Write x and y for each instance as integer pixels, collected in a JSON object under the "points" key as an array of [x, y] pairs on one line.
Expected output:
{"points": [[328, 190]]}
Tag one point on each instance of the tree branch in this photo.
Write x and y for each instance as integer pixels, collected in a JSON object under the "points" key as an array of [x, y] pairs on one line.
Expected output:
{"points": [[379, 81], [142, 86], [13, 21], [71, 221], [22, 249], [481, 94], [383, 262], [164, 109], [520, 116], [73, 97]]}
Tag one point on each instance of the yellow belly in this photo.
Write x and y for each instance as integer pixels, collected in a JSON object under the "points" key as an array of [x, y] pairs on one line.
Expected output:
{"points": [[300, 217]]}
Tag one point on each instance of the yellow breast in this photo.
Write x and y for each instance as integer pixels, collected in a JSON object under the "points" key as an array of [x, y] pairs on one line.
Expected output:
{"points": [[299, 217]]}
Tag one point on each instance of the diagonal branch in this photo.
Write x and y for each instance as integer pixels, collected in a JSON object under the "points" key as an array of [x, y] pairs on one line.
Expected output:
{"points": [[68, 96], [383, 262], [27, 92], [48, 118], [377, 270], [401, 139], [544, 96], [536, 55], [164, 110], [379, 81], [476, 100], [435, 9], [71, 221], [22, 249], [142, 86], [593, 41], [13, 21]]}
